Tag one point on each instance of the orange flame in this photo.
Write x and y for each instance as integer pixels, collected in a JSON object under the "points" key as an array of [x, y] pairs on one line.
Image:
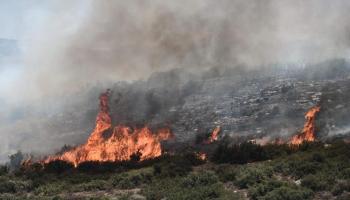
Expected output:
{"points": [[115, 144], [214, 135], [308, 132]]}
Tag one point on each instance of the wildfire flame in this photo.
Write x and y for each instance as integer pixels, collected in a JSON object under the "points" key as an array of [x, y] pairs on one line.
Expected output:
{"points": [[115, 144], [214, 135], [308, 132]]}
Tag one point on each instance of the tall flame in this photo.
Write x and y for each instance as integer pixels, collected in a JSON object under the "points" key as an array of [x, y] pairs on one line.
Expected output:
{"points": [[115, 144], [308, 132]]}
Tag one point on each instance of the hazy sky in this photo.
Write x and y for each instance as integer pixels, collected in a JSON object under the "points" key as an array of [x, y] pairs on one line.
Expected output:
{"points": [[22, 20], [17, 16]]}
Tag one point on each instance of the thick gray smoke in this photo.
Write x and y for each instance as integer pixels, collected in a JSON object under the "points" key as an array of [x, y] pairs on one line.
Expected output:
{"points": [[84, 43], [88, 41]]}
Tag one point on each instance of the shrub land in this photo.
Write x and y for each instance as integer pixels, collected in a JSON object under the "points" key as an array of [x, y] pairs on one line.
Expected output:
{"points": [[246, 171]]}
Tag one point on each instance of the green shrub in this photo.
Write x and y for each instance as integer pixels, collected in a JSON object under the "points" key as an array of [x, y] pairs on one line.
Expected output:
{"points": [[318, 157], [3, 170], [276, 150], [77, 178], [200, 179], [227, 172], [281, 167], [259, 190], [23, 186], [92, 186], [251, 176], [7, 186], [313, 182], [340, 187], [303, 167], [174, 167], [49, 189], [288, 193], [346, 173], [343, 196], [129, 181], [194, 186]]}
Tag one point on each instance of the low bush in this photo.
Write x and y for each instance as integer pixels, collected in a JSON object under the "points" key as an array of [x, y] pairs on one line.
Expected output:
{"points": [[227, 172], [129, 181], [3, 170], [259, 190], [50, 189], [200, 179], [92, 186], [288, 193], [346, 173], [340, 187], [313, 182], [251, 176], [202, 185], [7, 186], [174, 166]]}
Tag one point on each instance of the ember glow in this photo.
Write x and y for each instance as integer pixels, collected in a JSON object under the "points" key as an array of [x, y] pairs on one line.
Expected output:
{"points": [[308, 132], [201, 156], [115, 144]]}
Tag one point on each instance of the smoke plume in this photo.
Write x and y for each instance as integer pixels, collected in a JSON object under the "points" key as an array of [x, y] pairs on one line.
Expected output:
{"points": [[89, 41]]}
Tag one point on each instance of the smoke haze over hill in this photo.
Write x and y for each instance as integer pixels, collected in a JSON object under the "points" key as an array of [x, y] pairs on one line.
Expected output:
{"points": [[82, 42], [73, 50]]}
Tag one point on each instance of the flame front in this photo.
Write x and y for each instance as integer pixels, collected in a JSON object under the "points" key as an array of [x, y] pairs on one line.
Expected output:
{"points": [[115, 144], [308, 132]]}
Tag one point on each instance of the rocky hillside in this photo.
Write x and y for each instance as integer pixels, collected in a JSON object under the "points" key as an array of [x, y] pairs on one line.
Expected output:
{"points": [[266, 102]]}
